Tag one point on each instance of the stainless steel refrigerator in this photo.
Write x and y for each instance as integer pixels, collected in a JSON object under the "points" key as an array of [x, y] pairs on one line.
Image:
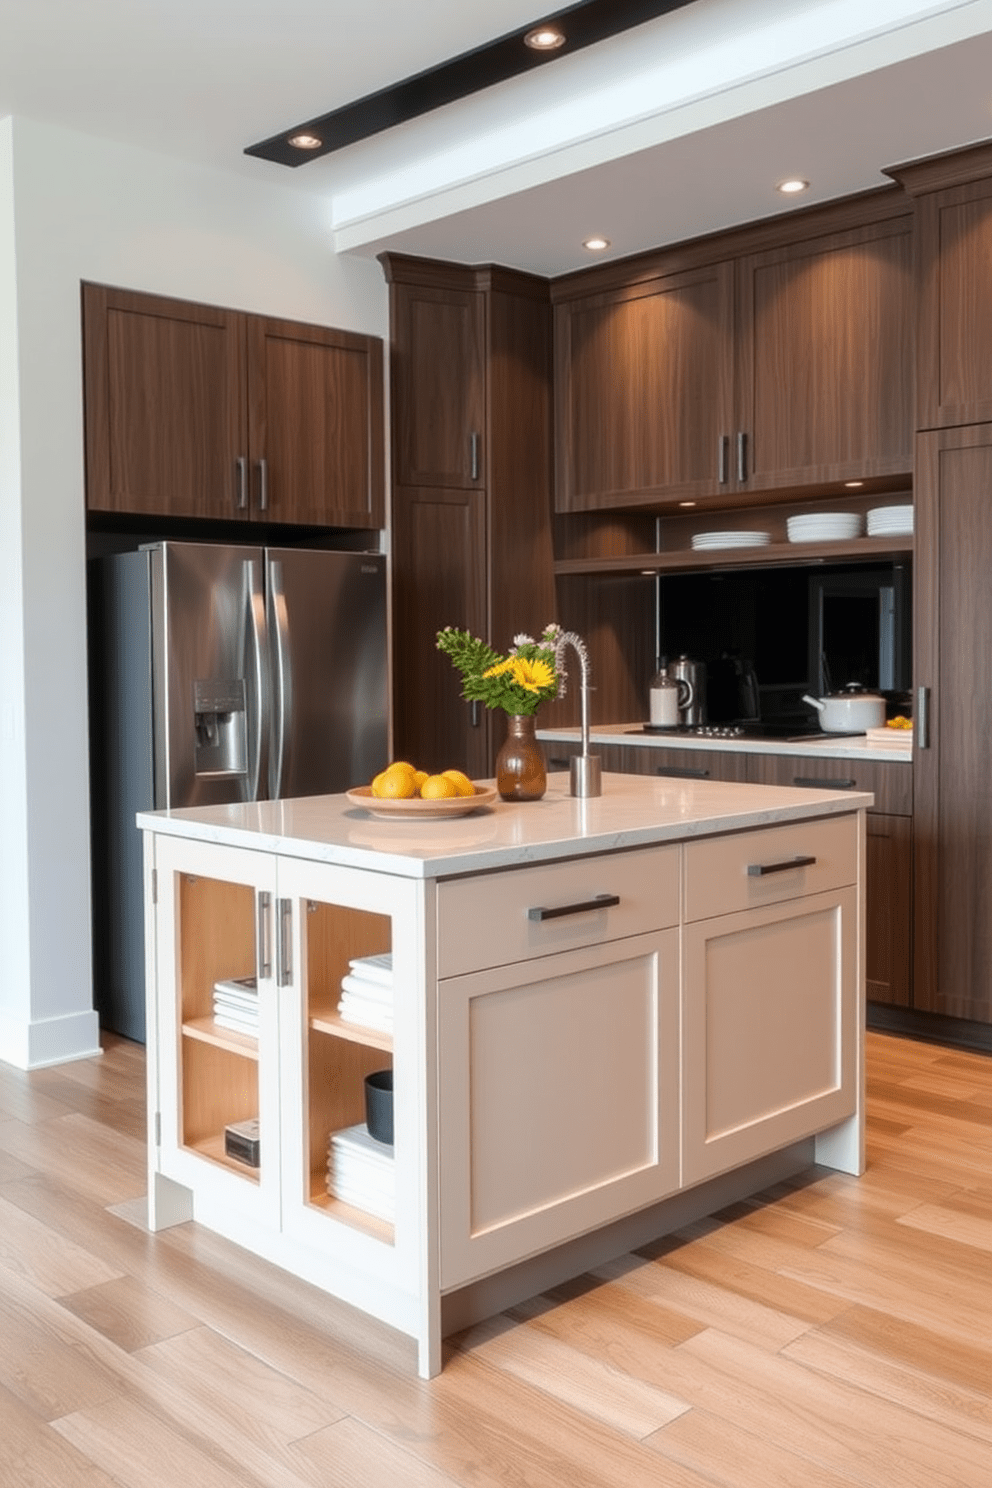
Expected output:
{"points": [[220, 674]]}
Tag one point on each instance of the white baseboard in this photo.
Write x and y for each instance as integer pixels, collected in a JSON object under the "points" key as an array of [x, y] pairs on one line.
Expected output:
{"points": [[49, 1041]]}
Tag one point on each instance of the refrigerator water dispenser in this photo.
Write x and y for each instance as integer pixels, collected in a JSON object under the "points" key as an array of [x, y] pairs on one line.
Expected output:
{"points": [[220, 724]]}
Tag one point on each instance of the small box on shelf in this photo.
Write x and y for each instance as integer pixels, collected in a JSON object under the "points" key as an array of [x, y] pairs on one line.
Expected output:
{"points": [[241, 1141]]}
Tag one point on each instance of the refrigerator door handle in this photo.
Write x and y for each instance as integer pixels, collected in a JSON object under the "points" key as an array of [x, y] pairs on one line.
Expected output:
{"points": [[282, 681], [258, 723]]}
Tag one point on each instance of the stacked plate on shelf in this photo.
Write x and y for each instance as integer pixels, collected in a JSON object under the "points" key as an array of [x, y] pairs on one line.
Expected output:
{"points": [[891, 521], [824, 527], [360, 1172], [236, 1005], [703, 541], [367, 992]]}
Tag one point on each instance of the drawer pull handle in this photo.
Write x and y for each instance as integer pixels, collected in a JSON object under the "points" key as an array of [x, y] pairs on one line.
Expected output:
{"points": [[761, 870], [675, 772], [601, 901], [814, 782]]}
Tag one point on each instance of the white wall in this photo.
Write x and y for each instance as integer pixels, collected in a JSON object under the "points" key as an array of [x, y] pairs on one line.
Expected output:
{"points": [[73, 208]]}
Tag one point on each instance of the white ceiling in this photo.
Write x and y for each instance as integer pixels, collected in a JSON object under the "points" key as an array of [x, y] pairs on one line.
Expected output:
{"points": [[678, 127]]}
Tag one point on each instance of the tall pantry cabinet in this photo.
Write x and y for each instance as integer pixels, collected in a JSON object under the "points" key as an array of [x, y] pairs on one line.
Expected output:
{"points": [[953, 620], [470, 387]]}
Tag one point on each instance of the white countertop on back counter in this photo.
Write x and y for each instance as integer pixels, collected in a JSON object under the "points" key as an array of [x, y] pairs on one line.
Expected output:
{"points": [[858, 747], [633, 811]]}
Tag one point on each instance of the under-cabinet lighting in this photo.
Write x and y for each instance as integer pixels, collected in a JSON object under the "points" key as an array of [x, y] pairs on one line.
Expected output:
{"points": [[544, 39], [687, 503], [596, 245], [792, 186], [305, 141], [853, 485]]}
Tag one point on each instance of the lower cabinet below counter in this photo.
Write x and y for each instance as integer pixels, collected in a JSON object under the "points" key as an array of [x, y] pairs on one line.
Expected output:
{"points": [[889, 875]]}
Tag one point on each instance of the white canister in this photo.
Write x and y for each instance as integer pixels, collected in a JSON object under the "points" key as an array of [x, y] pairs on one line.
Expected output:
{"points": [[666, 697]]}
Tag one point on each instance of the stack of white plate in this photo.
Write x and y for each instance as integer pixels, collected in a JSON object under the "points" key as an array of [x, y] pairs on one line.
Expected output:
{"points": [[824, 526], [890, 521], [705, 540]]}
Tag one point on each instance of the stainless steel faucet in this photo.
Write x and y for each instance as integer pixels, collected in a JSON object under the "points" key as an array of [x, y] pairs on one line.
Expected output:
{"points": [[585, 778]]}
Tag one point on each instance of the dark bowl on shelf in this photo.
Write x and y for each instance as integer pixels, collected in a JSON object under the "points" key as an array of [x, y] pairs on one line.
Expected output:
{"points": [[379, 1106]]}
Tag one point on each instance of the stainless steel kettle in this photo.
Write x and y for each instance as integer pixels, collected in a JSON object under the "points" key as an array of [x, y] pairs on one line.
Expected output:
{"points": [[683, 669]]}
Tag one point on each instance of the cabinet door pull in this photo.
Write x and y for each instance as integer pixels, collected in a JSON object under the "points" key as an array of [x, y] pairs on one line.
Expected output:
{"points": [[724, 458], [814, 782], [263, 485], [600, 901], [475, 714], [761, 870], [241, 465], [742, 456], [264, 951], [284, 948], [473, 445], [922, 718], [676, 772]]}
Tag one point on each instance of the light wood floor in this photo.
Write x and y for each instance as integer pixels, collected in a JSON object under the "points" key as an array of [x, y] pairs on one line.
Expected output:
{"points": [[837, 1331]]}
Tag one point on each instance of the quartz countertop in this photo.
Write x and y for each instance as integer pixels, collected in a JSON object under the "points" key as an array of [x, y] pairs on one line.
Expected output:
{"points": [[633, 811], [858, 747]]}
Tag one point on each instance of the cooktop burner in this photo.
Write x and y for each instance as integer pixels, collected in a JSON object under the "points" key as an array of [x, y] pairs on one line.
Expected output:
{"points": [[788, 731]]}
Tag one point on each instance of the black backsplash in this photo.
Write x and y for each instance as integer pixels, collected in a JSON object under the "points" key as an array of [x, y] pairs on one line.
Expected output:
{"points": [[761, 618]]}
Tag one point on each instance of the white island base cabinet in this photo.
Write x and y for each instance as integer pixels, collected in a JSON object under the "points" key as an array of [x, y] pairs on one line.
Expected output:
{"points": [[586, 1052]]}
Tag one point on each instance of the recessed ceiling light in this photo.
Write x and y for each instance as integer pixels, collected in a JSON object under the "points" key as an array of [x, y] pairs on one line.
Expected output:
{"points": [[544, 39], [853, 485], [596, 245], [687, 503], [792, 186], [305, 141]]}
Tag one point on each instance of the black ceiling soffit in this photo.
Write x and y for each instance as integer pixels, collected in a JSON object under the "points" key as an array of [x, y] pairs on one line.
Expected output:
{"points": [[584, 24]]}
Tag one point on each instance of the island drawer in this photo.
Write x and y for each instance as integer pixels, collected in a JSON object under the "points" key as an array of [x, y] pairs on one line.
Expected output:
{"points": [[494, 919], [747, 869]]}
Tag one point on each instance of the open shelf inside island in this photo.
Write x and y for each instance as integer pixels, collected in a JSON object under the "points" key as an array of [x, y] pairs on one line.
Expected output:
{"points": [[342, 1051], [218, 1066]]}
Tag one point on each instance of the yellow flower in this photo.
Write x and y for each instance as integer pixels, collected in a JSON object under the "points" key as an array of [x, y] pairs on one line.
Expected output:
{"points": [[532, 675], [500, 668]]}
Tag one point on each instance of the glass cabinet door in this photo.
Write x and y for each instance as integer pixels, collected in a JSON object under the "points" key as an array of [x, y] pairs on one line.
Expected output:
{"points": [[219, 1036], [353, 1009]]}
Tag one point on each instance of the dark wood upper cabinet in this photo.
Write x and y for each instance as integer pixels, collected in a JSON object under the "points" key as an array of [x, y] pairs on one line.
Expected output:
{"points": [[437, 350], [315, 424], [789, 367], [825, 342], [644, 386], [952, 781], [953, 199], [196, 411]]}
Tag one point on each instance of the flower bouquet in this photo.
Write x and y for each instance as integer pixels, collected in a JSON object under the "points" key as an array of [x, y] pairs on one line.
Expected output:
{"points": [[518, 683]]}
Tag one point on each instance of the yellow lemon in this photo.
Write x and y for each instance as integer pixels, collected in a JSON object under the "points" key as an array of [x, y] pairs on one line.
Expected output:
{"points": [[438, 788], [460, 781], [401, 765], [394, 785], [419, 776]]}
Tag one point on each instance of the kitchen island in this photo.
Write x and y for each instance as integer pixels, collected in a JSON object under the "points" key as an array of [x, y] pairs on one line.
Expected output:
{"points": [[605, 1017]]}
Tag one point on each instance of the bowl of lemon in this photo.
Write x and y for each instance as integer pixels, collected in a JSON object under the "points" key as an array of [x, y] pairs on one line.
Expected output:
{"points": [[403, 790]]}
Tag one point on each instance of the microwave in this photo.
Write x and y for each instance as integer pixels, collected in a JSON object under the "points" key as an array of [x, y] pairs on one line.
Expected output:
{"points": [[860, 629]]}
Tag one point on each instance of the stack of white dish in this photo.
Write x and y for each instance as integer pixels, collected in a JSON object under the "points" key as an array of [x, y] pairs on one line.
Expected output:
{"points": [[890, 521], [360, 1172], [705, 540], [824, 527], [236, 1005], [367, 992]]}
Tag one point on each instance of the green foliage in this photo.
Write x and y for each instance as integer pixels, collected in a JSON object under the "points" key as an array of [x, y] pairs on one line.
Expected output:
{"points": [[517, 682]]}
